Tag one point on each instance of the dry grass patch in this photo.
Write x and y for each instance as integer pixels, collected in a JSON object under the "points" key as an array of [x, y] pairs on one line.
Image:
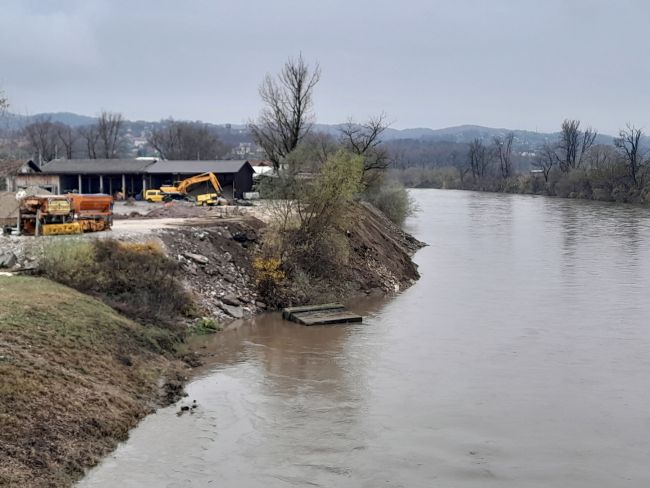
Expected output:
{"points": [[76, 376]]}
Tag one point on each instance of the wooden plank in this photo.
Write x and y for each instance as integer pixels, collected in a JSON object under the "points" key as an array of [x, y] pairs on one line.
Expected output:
{"points": [[328, 313], [296, 317], [287, 312], [328, 318]]}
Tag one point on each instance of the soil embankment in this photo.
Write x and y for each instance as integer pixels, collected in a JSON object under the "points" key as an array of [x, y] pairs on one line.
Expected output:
{"points": [[76, 376], [382, 252], [217, 256]]}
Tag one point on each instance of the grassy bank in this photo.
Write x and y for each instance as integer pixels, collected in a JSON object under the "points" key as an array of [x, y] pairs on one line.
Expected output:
{"points": [[76, 376]]}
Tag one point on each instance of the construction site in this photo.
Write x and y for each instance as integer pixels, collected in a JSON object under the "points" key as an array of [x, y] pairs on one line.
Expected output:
{"points": [[186, 219], [212, 238]]}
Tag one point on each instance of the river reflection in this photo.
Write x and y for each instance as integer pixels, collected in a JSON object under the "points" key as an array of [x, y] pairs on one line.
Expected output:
{"points": [[520, 359]]}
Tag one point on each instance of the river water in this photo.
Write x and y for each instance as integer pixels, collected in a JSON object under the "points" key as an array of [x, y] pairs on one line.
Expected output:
{"points": [[520, 359]]}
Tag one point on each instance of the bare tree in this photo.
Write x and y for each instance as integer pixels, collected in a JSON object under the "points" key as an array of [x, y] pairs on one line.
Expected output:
{"points": [[90, 136], [573, 144], [365, 140], [628, 142], [479, 158], [601, 156], [4, 102], [545, 160], [287, 114], [456, 161], [66, 137], [503, 150], [325, 146], [109, 130], [186, 140], [41, 139]]}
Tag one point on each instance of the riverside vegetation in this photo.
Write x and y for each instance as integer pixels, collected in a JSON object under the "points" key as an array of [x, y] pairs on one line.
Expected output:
{"points": [[572, 166]]}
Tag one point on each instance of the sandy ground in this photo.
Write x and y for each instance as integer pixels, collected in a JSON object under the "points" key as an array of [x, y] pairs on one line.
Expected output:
{"points": [[261, 209], [121, 208], [141, 226]]}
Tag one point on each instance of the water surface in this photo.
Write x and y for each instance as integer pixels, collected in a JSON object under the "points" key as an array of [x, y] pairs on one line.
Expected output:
{"points": [[520, 359]]}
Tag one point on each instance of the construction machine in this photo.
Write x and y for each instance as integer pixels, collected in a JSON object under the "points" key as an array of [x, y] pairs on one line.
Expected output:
{"points": [[64, 214], [180, 189]]}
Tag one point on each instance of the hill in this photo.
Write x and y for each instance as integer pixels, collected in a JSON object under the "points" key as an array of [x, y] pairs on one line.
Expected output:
{"points": [[461, 133]]}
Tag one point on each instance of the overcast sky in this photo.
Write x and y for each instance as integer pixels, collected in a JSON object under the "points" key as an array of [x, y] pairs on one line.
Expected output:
{"points": [[503, 63]]}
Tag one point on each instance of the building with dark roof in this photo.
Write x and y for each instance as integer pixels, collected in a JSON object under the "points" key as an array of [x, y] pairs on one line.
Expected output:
{"points": [[235, 176], [98, 175], [9, 171], [132, 176]]}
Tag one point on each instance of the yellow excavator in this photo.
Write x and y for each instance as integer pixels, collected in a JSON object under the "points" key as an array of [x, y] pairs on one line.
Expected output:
{"points": [[180, 189]]}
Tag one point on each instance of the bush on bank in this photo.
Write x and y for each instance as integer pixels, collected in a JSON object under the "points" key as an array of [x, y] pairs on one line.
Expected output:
{"points": [[135, 279], [390, 196], [306, 246]]}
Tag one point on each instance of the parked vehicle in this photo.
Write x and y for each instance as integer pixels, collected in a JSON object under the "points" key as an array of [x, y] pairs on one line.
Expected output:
{"points": [[153, 196], [180, 190], [207, 199], [64, 214]]}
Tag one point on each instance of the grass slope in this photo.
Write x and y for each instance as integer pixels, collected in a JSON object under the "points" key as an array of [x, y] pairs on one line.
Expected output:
{"points": [[75, 377]]}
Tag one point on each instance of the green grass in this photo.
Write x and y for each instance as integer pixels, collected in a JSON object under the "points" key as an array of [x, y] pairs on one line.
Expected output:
{"points": [[76, 376]]}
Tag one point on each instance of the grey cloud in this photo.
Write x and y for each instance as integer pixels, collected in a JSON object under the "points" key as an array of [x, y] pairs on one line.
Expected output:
{"points": [[520, 64]]}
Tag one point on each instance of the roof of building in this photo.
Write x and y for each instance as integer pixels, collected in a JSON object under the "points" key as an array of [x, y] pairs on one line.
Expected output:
{"points": [[196, 167], [13, 167], [139, 166], [260, 162], [95, 166]]}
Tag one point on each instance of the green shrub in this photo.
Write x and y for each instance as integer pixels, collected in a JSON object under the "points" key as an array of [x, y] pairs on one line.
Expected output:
{"points": [[205, 326], [392, 199], [307, 233]]}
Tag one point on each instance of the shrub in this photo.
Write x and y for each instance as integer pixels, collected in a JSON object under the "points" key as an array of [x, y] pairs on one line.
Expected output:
{"points": [[205, 326], [70, 262], [270, 279], [392, 199], [135, 279], [306, 236]]}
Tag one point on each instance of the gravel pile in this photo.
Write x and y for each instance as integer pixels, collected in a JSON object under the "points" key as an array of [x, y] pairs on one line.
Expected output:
{"points": [[217, 261]]}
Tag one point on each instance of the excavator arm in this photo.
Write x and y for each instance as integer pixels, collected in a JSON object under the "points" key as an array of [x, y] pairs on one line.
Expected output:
{"points": [[184, 185]]}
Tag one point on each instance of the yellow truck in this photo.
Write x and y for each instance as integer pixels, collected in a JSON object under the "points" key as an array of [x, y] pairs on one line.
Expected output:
{"points": [[207, 199], [153, 196]]}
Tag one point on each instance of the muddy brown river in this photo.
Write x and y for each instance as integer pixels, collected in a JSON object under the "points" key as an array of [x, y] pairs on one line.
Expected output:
{"points": [[520, 359]]}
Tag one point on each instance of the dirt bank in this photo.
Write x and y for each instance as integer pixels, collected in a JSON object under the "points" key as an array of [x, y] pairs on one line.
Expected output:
{"points": [[381, 258], [76, 376], [217, 256]]}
